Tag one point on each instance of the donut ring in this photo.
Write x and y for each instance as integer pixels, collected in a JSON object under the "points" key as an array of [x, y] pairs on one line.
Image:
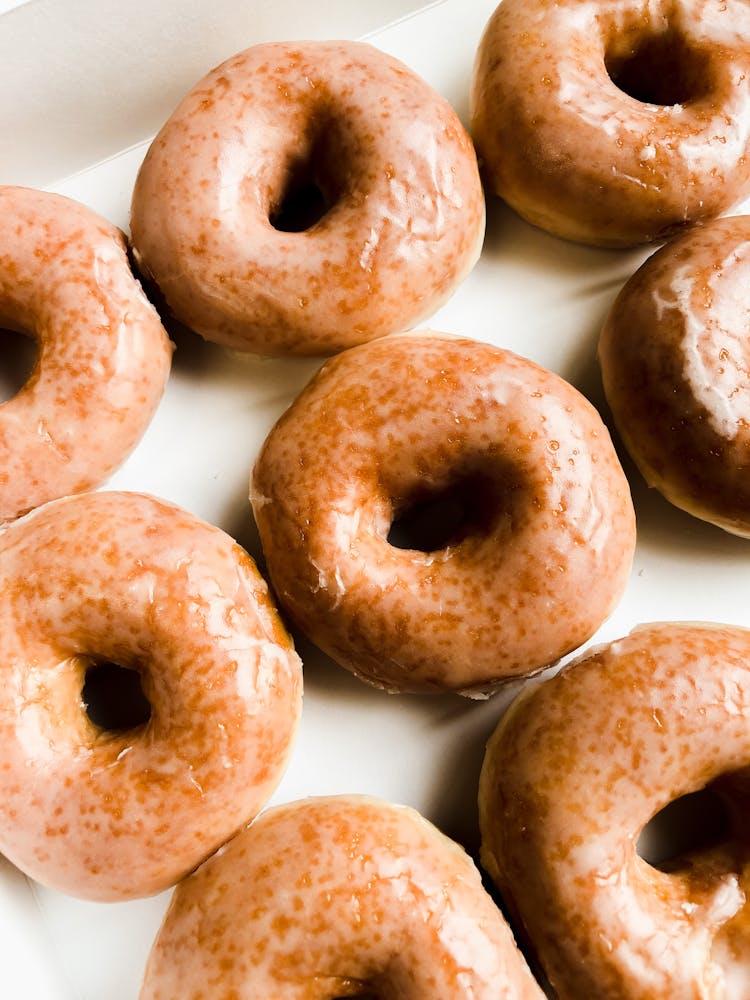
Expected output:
{"points": [[675, 362], [573, 773], [103, 355], [336, 897], [537, 561], [615, 123], [389, 159], [127, 579]]}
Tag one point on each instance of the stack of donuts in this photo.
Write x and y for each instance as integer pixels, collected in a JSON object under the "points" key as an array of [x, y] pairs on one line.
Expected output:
{"points": [[438, 514]]}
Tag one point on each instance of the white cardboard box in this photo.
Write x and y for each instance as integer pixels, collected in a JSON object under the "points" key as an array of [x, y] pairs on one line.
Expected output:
{"points": [[83, 85]]}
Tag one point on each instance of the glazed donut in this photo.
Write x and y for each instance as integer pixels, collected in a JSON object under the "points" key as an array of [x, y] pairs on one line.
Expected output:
{"points": [[532, 561], [125, 579], [615, 123], [103, 355], [336, 897], [398, 224], [675, 362], [576, 769]]}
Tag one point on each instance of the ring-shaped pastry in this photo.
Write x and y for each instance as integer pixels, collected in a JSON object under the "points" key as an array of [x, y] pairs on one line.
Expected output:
{"points": [[615, 123], [306, 197], [126, 581], [675, 362], [536, 549], [577, 768], [333, 897], [103, 355]]}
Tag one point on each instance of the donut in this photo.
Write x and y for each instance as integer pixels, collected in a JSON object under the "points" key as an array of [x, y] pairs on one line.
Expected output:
{"points": [[577, 768], [131, 582], [332, 897], [103, 355], [306, 197], [535, 545], [618, 122], [675, 363]]}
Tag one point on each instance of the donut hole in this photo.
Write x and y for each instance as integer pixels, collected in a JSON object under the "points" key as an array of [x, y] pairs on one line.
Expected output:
{"points": [[663, 68], [428, 520], [686, 826], [313, 179], [114, 698], [344, 988], [19, 353]]}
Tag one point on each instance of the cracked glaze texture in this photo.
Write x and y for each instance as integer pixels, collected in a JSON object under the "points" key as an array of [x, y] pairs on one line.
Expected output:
{"points": [[395, 165], [540, 561], [675, 362], [128, 579], [334, 897], [103, 358], [576, 155], [573, 773]]}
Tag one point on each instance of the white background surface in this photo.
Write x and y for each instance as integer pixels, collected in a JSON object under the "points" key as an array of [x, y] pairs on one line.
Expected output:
{"points": [[532, 293]]}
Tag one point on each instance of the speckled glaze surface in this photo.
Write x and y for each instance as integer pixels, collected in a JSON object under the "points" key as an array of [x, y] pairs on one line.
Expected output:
{"points": [[675, 362], [128, 579], [103, 358], [336, 897], [573, 773], [578, 156], [538, 564], [406, 216]]}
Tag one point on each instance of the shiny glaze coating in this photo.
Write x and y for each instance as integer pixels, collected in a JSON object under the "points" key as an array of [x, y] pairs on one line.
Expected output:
{"points": [[578, 156], [396, 168], [577, 768], [337, 897], [103, 358], [538, 562], [675, 361], [127, 579]]}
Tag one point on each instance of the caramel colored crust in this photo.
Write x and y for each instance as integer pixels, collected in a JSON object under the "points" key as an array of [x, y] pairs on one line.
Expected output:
{"points": [[103, 355], [573, 773], [407, 210], [336, 897], [411, 416], [675, 361], [131, 580], [579, 157]]}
